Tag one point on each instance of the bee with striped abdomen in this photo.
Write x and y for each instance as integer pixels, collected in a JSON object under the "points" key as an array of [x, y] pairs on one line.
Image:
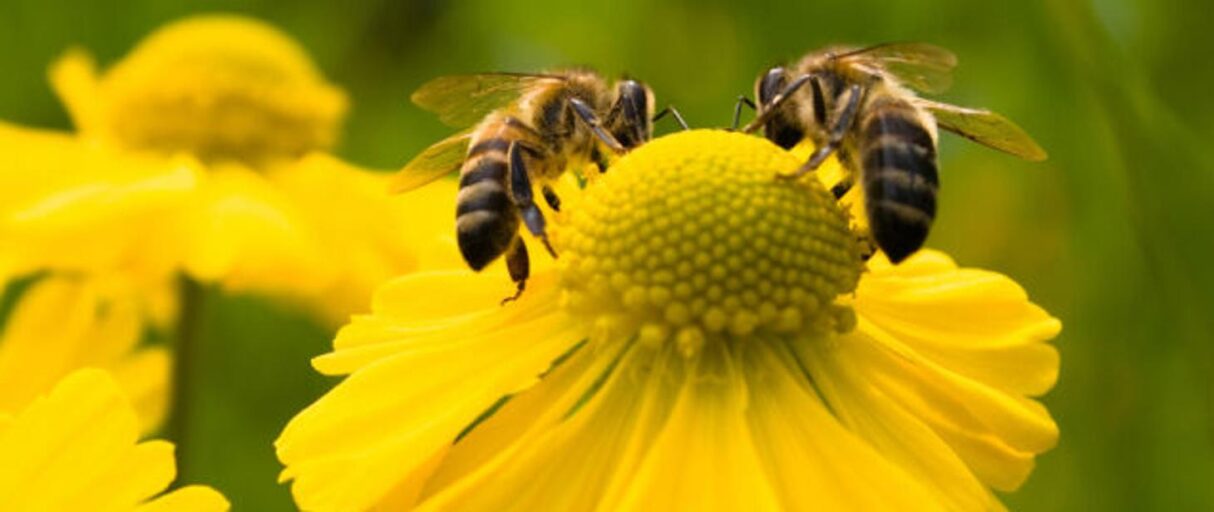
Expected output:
{"points": [[859, 103], [525, 128]]}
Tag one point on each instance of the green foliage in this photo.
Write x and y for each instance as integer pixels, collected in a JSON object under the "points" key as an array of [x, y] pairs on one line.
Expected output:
{"points": [[1112, 234]]}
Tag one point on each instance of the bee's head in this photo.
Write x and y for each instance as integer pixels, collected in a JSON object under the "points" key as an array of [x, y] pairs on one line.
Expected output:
{"points": [[770, 84], [631, 118], [780, 124]]}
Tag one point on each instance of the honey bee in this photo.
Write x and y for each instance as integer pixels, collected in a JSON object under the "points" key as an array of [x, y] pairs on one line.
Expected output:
{"points": [[525, 128], [860, 104]]}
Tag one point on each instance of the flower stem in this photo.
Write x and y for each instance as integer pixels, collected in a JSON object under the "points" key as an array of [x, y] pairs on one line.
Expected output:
{"points": [[185, 358]]}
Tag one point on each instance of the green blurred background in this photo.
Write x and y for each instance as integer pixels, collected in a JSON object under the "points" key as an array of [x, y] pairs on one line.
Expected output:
{"points": [[1112, 234]]}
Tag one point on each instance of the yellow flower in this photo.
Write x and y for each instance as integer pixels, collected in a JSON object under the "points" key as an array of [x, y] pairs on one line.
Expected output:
{"points": [[76, 448], [102, 223], [83, 208], [64, 323], [217, 87], [317, 231], [204, 150], [709, 340]]}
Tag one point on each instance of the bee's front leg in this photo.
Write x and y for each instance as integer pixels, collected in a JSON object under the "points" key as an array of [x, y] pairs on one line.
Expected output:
{"points": [[842, 121], [587, 115], [550, 197]]}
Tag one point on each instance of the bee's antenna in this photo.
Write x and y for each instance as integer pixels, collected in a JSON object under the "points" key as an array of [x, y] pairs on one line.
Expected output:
{"points": [[674, 112], [737, 111]]}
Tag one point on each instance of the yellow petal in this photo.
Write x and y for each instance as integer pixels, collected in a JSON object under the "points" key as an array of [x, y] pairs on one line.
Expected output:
{"points": [[66, 204], [367, 235], [44, 339], [431, 303], [318, 232], [62, 324], [419, 299], [63, 442], [897, 435], [813, 460], [154, 294], [594, 417], [463, 306], [477, 457], [703, 458], [192, 498], [959, 349], [994, 432], [145, 377], [140, 473], [658, 436], [402, 405], [974, 322], [74, 79], [246, 234], [408, 490], [75, 449], [433, 232]]}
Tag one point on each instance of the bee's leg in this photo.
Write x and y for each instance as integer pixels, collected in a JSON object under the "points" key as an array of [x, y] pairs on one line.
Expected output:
{"points": [[587, 115], [819, 99], [551, 198], [847, 180], [843, 186], [600, 160], [842, 123], [520, 189], [678, 118], [519, 265], [766, 110], [737, 111]]}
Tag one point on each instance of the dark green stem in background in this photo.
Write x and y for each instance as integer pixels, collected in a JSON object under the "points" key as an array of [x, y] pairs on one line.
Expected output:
{"points": [[185, 358]]}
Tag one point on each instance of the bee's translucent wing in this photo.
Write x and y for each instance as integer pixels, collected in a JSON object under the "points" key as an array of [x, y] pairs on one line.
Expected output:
{"points": [[921, 66], [435, 161], [463, 100], [986, 128]]}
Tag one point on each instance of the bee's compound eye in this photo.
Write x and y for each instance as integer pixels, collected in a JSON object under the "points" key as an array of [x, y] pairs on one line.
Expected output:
{"points": [[771, 84], [634, 100], [635, 97]]}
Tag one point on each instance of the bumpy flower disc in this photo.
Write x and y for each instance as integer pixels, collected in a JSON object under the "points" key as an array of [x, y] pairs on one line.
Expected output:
{"points": [[708, 242]]}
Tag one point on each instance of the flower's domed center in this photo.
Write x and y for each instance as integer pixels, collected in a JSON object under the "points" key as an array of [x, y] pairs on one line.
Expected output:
{"points": [[220, 87], [692, 237]]}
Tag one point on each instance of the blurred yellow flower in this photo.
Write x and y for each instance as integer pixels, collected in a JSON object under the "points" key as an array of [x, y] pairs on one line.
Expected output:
{"points": [[709, 340], [73, 207], [76, 448], [217, 87], [317, 232], [64, 323], [203, 150]]}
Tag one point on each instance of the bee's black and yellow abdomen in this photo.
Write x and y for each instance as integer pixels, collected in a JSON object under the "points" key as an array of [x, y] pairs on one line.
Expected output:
{"points": [[898, 156], [486, 222]]}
